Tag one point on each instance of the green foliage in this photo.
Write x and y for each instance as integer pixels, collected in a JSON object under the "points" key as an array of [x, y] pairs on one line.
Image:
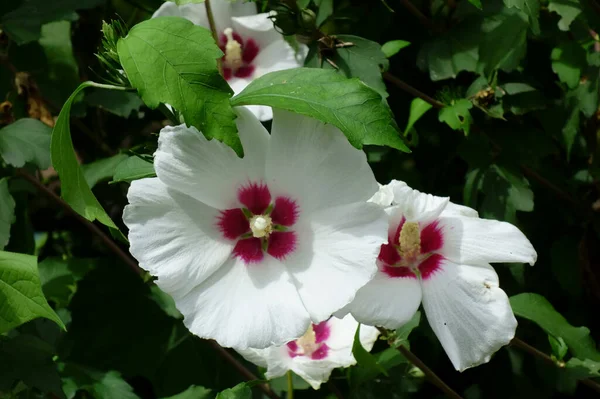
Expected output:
{"points": [[133, 168], [240, 391], [187, 79], [193, 392], [392, 47], [121, 103], [353, 107], [7, 212], [102, 169], [568, 11], [457, 115], [368, 368], [98, 384], [21, 292], [26, 140]]}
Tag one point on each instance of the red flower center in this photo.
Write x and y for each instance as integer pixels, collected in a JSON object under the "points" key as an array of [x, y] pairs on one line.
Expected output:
{"points": [[312, 344], [396, 261], [260, 225], [237, 61]]}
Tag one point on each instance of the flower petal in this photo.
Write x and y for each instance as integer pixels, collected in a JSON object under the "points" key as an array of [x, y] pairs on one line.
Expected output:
{"points": [[245, 306], [314, 164], [341, 336], [417, 206], [468, 312], [173, 236], [475, 241], [262, 112], [386, 301], [277, 56], [453, 209], [208, 170], [315, 372], [335, 256], [241, 8], [258, 27]]}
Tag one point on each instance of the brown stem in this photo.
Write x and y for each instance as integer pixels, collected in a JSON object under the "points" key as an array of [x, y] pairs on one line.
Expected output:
{"points": [[426, 22], [247, 374], [516, 342], [435, 380], [110, 244], [409, 89]]}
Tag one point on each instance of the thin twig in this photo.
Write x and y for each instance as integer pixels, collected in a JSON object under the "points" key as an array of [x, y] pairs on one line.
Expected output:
{"points": [[435, 380], [247, 374], [417, 13], [516, 342], [110, 244], [213, 28], [409, 89]]}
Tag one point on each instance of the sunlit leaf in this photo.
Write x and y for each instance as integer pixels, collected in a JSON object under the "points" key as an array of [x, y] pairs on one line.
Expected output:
{"points": [[26, 140], [568, 11], [457, 115], [133, 168], [392, 47]]}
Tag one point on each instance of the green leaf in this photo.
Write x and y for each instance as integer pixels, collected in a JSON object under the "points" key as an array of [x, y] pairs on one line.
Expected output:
{"points": [[59, 277], [392, 47], [457, 115], [240, 391], [26, 140], [280, 384], [504, 41], [356, 109], [23, 24], [165, 301], [568, 11], [559, 347], [536, 308], [99, 384], [193, 392], [529, 7], [133, 168], [171, 60], [21, 292], [401, 335], [368, 368], [102, 169], [120, 103], [325, 10], [582, 369], [568, 61], [74, 189], [418, 108], [7, 212]]}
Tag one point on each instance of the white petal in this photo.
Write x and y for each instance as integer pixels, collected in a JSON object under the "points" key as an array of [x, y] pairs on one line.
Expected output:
{"points": [[238, 84], [336, 255], [245, 306], [453, 209], [383, 197], [256, 356], [258, 27], [172, 235], [468, 312], [386, 302], [475, 241], [341, 338], [278, 56], [315, 164], [207, 170], [315, 372], [167, 9], [255, 140], [417, 206]]}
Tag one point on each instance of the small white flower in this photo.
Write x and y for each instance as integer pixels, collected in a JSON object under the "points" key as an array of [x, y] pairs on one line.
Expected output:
{"points": [[249, 40], [438, 253], [254, 249], [324, 347]]}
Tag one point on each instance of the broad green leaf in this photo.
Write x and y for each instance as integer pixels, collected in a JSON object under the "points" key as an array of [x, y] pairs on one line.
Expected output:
{"points": [[171, 60], [568, 11], [240, 391], [581, 369], [361, 58], [506, 192], [59, 277], [356, 109], [536, 308], [568, 61], [133, 168], [457, 115], [74, 189], [99, 384], [529, 7], [7, 212], [504, 41], [21, 292], [392, 47], [121, 103], [369, 367], [102, 169], [193, 392], [521, 98], [26, 140], [325, 10], [418, 108], [23, 24]]}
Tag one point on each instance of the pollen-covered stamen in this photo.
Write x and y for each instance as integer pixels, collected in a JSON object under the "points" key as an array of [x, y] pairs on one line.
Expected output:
{"points": [[233, 51], [410, 241], [308, 342], [261, 226]]}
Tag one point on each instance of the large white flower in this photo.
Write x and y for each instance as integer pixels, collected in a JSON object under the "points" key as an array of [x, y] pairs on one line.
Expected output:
{"points": [[438, 253], [253, 249], [249, 40], [324, 347]]}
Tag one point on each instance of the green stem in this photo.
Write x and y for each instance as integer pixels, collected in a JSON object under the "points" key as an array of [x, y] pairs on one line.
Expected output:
{"points": [[290, 385], [213, 28]]}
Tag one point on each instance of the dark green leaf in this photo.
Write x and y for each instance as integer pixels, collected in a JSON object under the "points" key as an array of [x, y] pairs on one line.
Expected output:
{"points": [[324, 12], [457, 115], [392, 48], [559, 347], [165, 301], [99, 384], [133, 168], [369, 367], [280, 384], [418, 108], [171, 60], [401, 335], [240, 391], [121, 103], [529, 7], [356, 109], [193, 392], [102, 169], [26, 140], [581, 369], [21, 292], [74, 189], [7, 212], [536, 308], [504, 41], [568, 61], [568, 11], [59, 277]]}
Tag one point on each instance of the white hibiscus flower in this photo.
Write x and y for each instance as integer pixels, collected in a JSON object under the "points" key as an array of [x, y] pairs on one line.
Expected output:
{"points": [[254, 249], [249, 40], [438, 253], [324, 347]]}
